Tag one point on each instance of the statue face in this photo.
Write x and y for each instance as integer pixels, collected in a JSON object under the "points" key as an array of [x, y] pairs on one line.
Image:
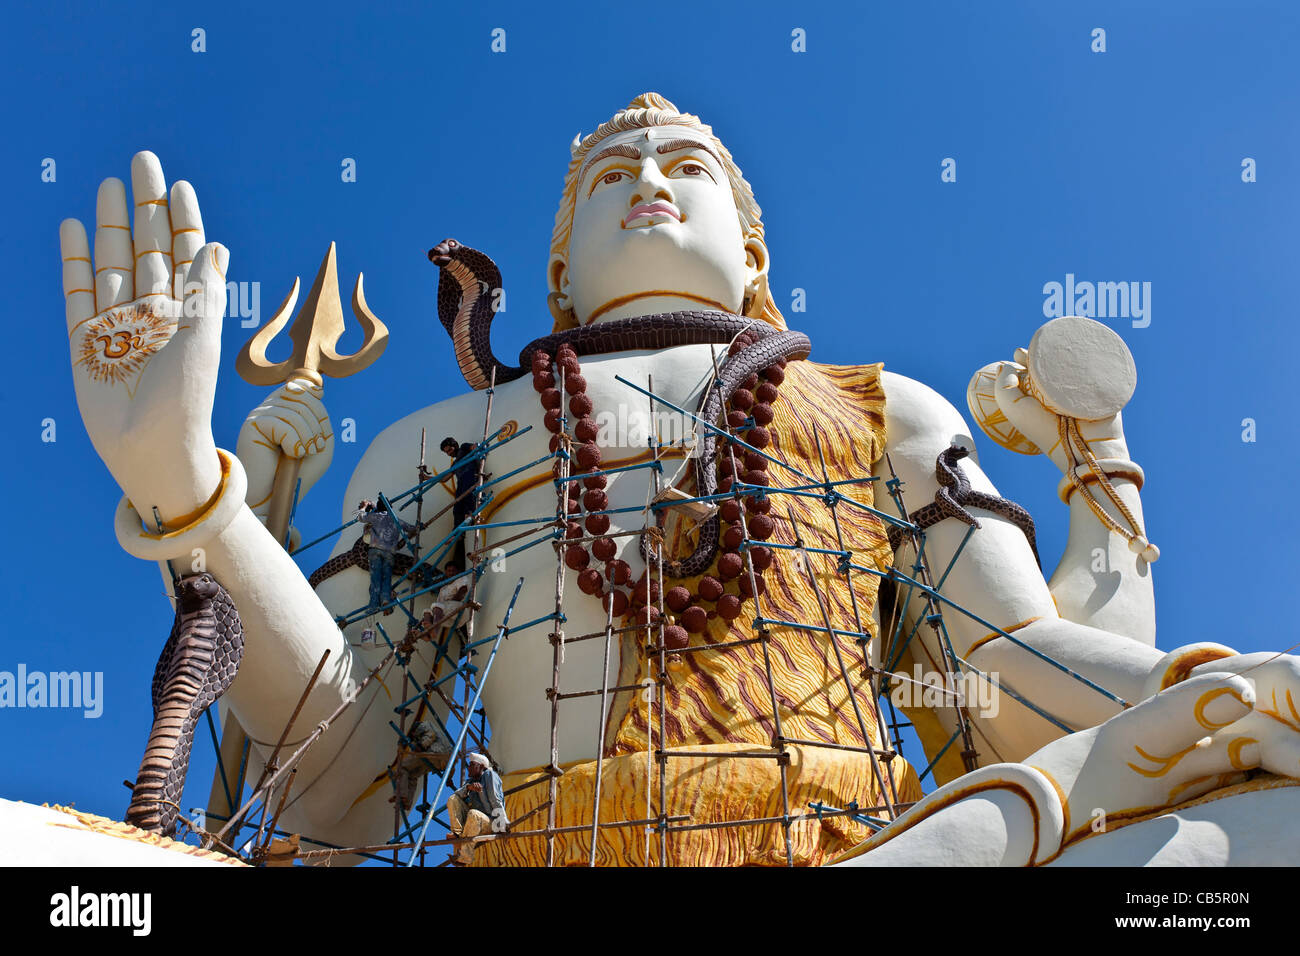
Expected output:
{"points": [[654, 213]]}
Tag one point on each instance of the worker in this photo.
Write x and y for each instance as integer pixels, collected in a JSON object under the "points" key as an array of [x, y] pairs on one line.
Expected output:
{"points": [[385, 539], [429, 747], [477, 806], [467, 476]]}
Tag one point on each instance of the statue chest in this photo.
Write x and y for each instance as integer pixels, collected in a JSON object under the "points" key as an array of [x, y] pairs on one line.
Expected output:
{"points": [[625, 418]]}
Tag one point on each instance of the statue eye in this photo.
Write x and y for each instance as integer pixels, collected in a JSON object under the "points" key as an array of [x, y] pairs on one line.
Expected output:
{"points": [[691, 169], [612, 177]]}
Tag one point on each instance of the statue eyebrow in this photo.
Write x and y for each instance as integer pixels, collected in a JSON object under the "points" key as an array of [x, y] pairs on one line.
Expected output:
{"points": [[622, 149], [675, 144]]}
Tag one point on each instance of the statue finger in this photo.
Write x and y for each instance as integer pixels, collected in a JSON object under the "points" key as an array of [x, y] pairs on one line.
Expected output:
{"points": [[187, 234], [298, 437], [1279, 752], [78, 274], [153, 226], [308, 396], [314, 466], [1256, 741], [114, 254], [1023, 411], [1225, 752], [1195, 787], [1277, 688], [205, 295], [1160, 732]]}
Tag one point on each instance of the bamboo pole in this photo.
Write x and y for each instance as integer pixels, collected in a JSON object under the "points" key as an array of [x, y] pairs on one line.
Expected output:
{"points": [[844, 672], [557, 634], [600, 733], [270, 765]]}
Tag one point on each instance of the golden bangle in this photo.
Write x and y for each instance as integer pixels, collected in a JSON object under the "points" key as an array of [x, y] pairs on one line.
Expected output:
{"points": [[194, 529], [1111, 468]]}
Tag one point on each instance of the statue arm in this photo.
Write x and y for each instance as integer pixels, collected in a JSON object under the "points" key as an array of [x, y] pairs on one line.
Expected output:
{"points": [[1009, 814], [286, 631], [288, 627], [1189, 726], [997, 580], [1099, 580]]}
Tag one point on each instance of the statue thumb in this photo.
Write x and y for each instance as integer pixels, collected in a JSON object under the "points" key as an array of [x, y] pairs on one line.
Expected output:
{"points": [[205, 290]]}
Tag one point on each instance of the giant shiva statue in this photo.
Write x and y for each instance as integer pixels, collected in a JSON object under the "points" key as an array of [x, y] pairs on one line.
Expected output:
{"points": [[1104, 749]]}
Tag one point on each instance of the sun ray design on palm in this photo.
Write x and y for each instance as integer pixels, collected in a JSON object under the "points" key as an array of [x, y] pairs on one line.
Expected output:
{"points": [[118, 344]]}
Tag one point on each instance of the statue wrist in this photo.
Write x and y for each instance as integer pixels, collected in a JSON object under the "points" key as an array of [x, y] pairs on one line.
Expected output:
{"points": [[1115, 469], [137, 533]]}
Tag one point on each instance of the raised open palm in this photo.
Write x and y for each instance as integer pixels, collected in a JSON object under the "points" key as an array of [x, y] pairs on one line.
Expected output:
{"points": [[144, 330]]}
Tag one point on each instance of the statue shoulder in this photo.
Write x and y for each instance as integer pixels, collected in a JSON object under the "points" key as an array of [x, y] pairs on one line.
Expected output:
{"points": [[390, 460], [914, 410]]}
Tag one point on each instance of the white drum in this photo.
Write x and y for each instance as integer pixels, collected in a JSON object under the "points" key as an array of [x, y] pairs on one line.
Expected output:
{"points": [[1079, 368]]}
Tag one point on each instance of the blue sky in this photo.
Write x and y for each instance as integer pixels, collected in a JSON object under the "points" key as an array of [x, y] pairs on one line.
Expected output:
{"points": [[1115, 166]]}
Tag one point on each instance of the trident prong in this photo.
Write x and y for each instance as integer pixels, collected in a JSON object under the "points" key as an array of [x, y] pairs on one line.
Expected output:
{"points": [[314, 333]]}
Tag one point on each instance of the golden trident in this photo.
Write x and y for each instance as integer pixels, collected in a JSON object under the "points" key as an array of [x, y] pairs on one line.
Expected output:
{"points": [[315, 333]]}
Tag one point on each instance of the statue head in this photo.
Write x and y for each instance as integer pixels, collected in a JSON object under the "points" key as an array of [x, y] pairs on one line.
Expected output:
{"points": [[656, 216]]}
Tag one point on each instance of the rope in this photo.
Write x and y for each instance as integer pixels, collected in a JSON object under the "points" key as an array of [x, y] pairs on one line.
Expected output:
{"points": [[1071, 439], [373, 697]]}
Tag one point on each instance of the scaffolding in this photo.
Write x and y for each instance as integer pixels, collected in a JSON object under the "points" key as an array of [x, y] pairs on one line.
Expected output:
{"points": [[910, 589]]}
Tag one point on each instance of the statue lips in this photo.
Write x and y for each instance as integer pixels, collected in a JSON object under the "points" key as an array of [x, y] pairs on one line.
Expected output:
{"points": [[649, 212]]}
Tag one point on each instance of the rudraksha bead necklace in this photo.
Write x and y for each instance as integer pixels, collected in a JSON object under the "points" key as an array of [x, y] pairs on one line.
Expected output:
{"points": [[750, 412]]}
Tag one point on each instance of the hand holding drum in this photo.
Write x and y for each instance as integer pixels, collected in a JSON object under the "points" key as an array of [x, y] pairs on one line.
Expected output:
{"points": [[1079, 368], [1076, 370], [1075, 367]]}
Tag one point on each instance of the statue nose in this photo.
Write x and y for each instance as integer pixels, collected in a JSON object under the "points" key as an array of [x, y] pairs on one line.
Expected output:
{"points": [[651, 185]]}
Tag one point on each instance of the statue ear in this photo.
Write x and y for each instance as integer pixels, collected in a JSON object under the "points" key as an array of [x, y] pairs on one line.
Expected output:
{"points": [[559, 302], [756, 263]]}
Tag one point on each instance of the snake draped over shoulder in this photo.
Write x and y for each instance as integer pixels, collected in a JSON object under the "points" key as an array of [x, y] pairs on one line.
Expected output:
{"points": [[469, 291]]}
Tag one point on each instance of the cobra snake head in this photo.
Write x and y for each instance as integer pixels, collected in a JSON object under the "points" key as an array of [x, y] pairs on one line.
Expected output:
{"points": [[955, 453], [945, 466], [440, 255], [192, 591]]}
